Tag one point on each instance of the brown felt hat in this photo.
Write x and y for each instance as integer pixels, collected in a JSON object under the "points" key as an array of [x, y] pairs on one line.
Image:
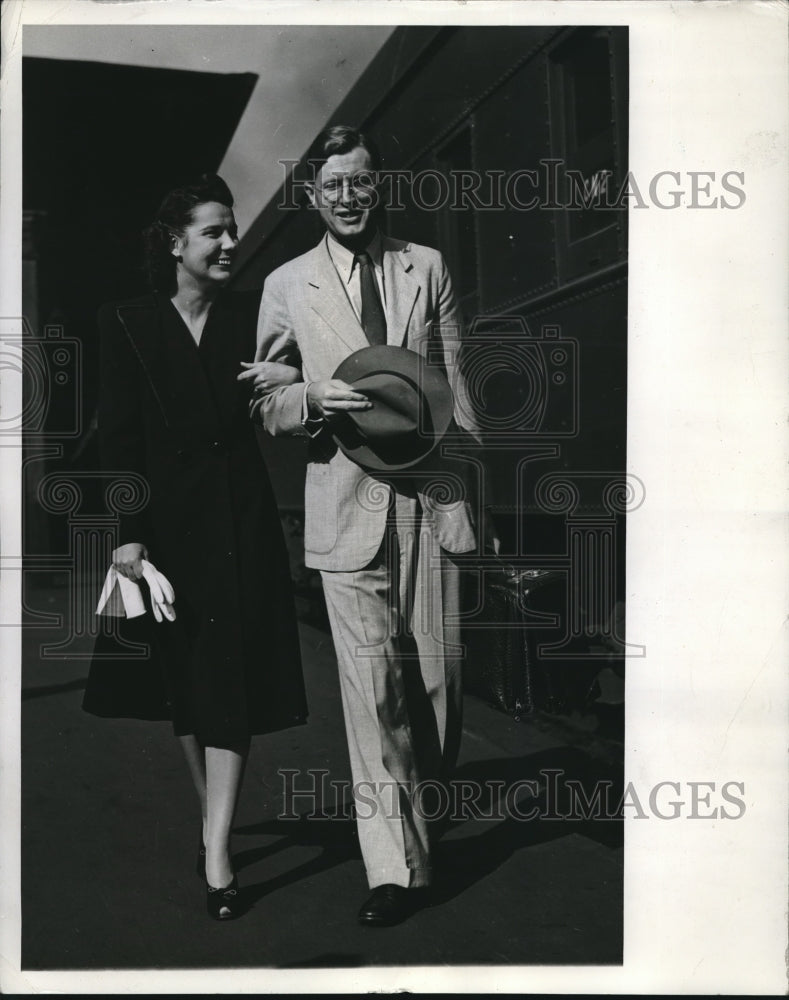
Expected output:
{"points": [[412, 408]]}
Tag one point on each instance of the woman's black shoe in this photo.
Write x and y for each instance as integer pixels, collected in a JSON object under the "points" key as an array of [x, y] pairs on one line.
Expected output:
{"points": [[223, 904], [200, 864]]}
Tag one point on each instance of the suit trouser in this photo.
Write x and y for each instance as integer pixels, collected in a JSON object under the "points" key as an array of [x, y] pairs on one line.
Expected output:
{"points": [[396, 634]]}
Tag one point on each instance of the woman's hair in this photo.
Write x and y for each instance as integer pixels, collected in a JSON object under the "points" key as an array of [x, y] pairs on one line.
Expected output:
{"points": [[174, 214]]}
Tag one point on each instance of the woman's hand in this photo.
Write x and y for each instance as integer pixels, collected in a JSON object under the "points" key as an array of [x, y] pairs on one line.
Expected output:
{"points": [[127, 559], [268, 375]]}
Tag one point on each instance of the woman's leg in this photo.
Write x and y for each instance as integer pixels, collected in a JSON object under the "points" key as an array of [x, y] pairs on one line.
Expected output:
{"points": [[195, 758], [224, 771]]}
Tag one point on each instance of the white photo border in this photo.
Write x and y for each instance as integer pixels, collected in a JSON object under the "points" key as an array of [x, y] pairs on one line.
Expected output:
{"points": [[705, 901]]}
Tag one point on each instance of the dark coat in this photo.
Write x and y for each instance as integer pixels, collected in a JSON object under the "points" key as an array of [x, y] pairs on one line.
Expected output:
{"points": [[229, 666]]}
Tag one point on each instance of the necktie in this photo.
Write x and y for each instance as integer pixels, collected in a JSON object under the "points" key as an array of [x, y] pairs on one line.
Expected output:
{"points": [[373, 318]]}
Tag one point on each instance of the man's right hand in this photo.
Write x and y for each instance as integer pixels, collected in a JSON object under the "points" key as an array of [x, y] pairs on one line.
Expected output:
{"points": [[326, 399], [127, 559]]}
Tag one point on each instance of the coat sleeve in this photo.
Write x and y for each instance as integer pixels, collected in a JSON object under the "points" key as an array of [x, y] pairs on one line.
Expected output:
{"points": [[121, 435], [448, 331], [282, 411]]}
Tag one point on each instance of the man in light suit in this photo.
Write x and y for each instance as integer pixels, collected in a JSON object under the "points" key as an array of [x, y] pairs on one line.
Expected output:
{"points": [[384, 544]]}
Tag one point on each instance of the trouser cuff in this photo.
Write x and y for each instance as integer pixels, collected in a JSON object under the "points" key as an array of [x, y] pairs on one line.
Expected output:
{"points": [[408, 878]]}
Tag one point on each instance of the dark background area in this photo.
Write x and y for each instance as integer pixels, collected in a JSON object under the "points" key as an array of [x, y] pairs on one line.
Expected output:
{"points": [[101, 146]]}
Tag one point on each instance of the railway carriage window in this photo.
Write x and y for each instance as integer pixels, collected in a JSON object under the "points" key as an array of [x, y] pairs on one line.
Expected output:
{"points": [[586, 137], [456, 223], [587, 91]]}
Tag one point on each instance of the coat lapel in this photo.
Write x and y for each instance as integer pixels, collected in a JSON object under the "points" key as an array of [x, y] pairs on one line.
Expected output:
{"points": [[171, 363], [140, 320], [402, 289], [221, 349], [330, 301]]}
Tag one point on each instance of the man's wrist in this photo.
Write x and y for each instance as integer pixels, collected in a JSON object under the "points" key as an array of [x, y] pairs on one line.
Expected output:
{"points": [[311, 421], [310, 406]]}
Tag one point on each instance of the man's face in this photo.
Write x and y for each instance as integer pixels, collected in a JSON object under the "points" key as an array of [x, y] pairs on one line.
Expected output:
{"points": [[344, 194]]}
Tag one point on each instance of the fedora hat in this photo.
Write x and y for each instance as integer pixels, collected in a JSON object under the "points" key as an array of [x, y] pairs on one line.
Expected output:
{"points": [[412, 408]]}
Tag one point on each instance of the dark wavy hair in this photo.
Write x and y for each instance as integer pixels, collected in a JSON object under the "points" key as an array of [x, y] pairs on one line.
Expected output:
{"points": [[336, 140], [174, 214]]}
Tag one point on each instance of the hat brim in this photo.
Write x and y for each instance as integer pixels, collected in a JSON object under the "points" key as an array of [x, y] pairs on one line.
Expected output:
{"points": [[439, 408]]}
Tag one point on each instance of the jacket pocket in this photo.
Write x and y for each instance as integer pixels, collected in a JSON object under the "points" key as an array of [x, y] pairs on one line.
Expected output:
{"points": [[320, 503], [454, 527]]}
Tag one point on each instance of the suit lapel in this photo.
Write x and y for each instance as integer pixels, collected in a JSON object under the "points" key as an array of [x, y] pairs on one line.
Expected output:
{"points": [[330, 301], [402, 289]]}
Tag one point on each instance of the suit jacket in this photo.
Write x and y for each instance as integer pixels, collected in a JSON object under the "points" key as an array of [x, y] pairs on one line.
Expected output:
{"points": [[307, 320]]}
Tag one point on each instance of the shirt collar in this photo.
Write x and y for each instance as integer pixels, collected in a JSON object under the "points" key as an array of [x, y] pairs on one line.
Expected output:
{"points": [[344, 258]]}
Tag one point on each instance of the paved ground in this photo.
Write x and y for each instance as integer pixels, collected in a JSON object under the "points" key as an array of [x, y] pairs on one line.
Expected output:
{"points": [[110, 828]]}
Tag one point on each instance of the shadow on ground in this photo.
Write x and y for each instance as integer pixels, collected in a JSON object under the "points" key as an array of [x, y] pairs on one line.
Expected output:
{"points": [[498, 807]]}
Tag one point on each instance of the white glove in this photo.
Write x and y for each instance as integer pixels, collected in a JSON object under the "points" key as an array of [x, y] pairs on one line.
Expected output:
{"points": [[162, 594], [121, 597]]}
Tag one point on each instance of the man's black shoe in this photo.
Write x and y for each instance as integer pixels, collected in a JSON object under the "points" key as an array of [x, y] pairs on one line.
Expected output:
{"points": [[389, 905]]}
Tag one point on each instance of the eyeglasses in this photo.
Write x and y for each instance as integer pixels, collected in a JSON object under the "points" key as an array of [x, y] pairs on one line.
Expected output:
{"points": [[360, 186]]}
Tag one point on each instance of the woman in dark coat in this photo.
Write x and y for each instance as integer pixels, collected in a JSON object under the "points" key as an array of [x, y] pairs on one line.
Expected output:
{"points": [[173, 408]]}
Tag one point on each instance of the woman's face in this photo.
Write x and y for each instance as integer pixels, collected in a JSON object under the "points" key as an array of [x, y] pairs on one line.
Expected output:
{"points": [[205, 251]]}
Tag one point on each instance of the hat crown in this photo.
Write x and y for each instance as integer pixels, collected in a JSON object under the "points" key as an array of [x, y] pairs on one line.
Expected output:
{"points": [[396, 410], [412, 408]]}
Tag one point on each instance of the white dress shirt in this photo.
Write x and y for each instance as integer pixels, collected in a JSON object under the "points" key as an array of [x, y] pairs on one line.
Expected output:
{"points": [[347, 268]]}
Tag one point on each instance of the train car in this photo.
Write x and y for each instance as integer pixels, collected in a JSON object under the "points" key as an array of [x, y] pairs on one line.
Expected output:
{"points": [[506, 148]]}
